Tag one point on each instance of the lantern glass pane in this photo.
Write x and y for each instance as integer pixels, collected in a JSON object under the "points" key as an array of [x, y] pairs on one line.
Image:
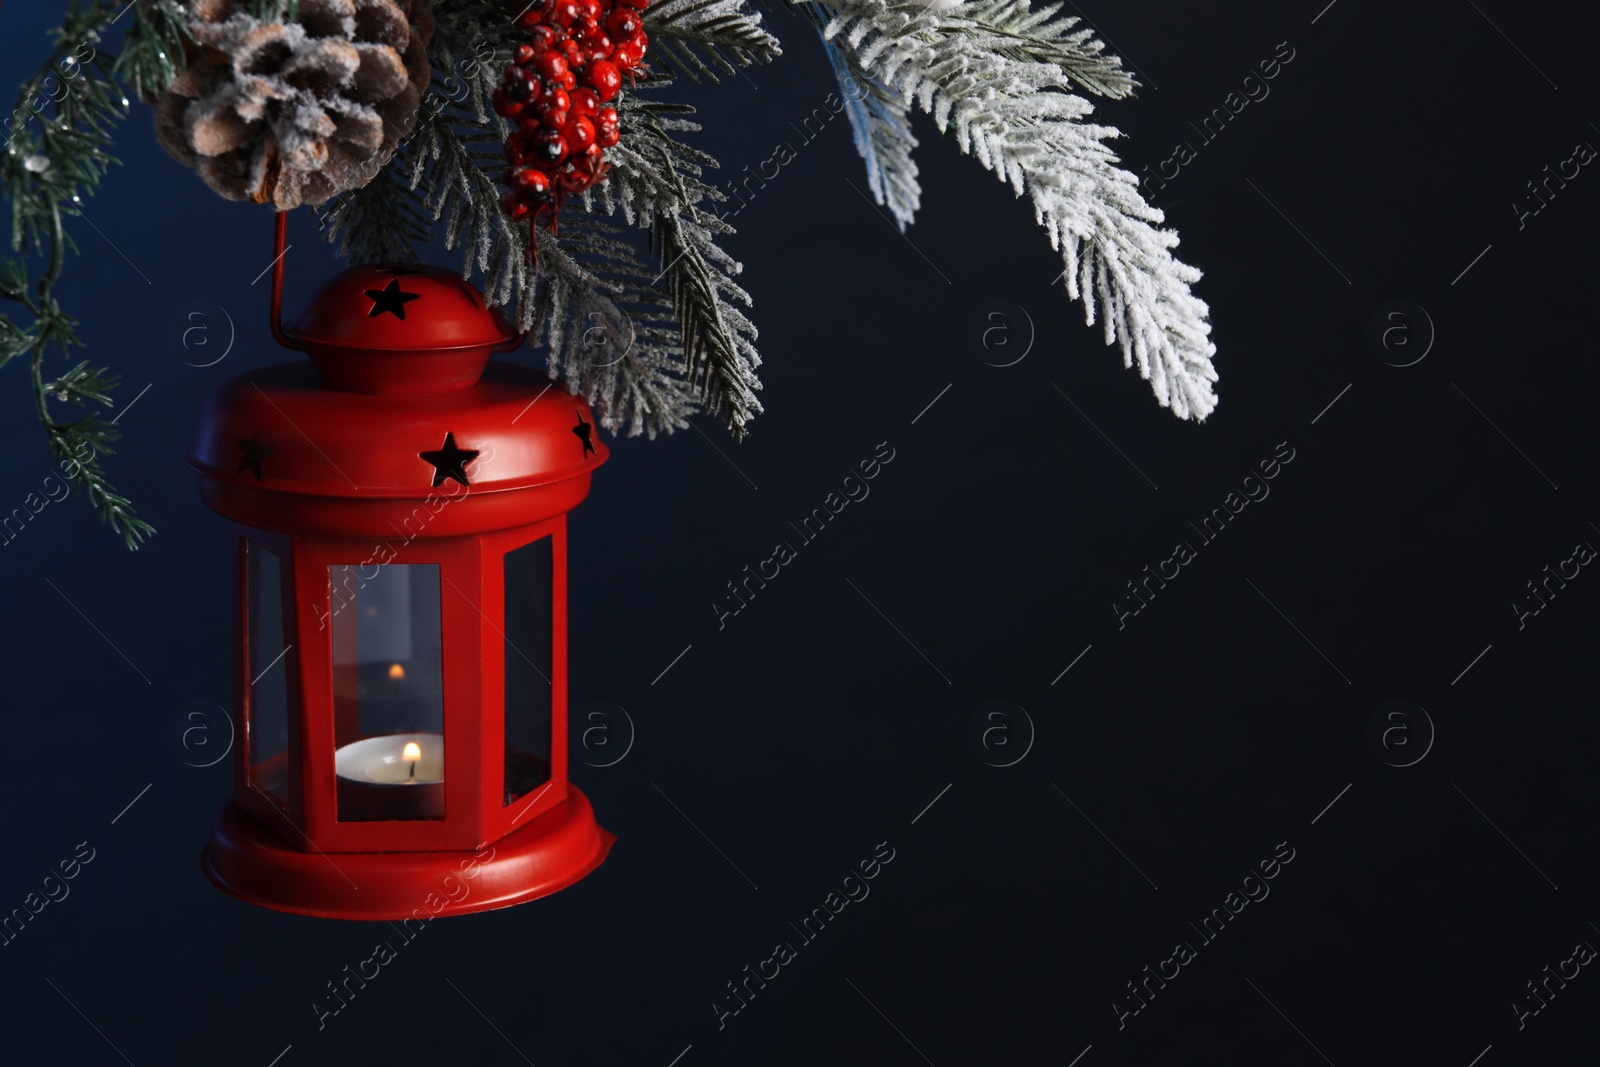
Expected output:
{"points": [[388, 691], [267, 709], [529, 647]]}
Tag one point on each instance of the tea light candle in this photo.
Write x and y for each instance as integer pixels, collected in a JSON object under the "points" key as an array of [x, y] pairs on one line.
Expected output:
{"points": [[393, 759], [392, 776]]}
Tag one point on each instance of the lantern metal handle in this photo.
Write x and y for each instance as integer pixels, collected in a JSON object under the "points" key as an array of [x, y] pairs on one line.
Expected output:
{"points": [[279, 247]]}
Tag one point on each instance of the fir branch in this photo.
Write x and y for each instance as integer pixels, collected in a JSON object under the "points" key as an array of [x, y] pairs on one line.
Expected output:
{"points": [[77, 446], [1012, 29], [718, 338], [49, 167], [1018, 117], [380, 222], [454, 155], [14, 340], [880, 122], [81, 385], [609, 330], [472, 42], [697, 38], [659, 185], [153, 50], [456, 178]]}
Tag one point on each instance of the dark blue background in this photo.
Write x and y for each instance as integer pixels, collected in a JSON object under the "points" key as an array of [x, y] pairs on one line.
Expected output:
{"points": [[808, 730]]}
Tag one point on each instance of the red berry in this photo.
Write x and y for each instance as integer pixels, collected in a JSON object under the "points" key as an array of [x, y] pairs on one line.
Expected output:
{"points": [[555, 119], [600, 48], [588, 9], [604, 78], [584, 102], [589, 166], [550, 147], [542, 37], [551, 65], [627, 55], [579, 132], [637, 5], [562, 13], [515, 207], [624, 24], [569, 81], [554, 98], [607, 128], [586, 29], [531, 182], [523, 55]]}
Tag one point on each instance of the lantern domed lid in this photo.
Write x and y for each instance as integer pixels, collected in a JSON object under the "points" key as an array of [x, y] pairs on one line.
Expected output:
{"points": [[277, 449], [399, 328]]}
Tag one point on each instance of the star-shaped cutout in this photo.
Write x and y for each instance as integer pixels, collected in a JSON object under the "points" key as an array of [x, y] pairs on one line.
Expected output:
{"points": [[390, 299], [582, 430], [450, 461], [254, 452]]}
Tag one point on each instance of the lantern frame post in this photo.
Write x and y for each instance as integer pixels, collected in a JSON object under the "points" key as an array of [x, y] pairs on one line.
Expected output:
{"points": [[246, 793], [502, 818]]}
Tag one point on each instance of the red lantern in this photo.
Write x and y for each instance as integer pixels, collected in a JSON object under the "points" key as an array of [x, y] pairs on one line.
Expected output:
{"points": [[399, 507]]}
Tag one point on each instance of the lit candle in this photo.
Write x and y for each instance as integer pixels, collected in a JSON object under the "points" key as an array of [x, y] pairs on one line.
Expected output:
{"points": [[392, 776], [393, 759]]}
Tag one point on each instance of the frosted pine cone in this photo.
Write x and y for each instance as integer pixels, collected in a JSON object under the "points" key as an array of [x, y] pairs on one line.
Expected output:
{"points": [[296, 112]]}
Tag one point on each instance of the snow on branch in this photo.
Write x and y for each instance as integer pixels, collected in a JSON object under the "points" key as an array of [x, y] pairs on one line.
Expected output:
{"points": [[1000, 78], [698, 37]]}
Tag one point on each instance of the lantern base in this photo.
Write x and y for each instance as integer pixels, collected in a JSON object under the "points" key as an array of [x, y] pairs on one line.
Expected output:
{"points": [[247, 860]]}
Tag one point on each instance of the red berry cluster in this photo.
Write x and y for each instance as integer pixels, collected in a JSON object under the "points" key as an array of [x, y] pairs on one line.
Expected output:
{"points": [[576, 55]]}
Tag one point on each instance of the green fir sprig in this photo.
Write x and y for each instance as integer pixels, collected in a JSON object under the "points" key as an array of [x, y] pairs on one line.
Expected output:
{"points": [[57, 150]]}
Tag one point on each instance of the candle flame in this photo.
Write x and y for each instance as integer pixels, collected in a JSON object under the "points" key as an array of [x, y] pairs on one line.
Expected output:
{"points": [[412, 751], [396, 671]]}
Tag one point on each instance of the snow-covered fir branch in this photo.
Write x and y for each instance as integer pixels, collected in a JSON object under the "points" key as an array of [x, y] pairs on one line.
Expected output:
{"points": [[379, 223], [696, 38], [657, 184], [880, 122], [611, 333], [999, 77]]}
